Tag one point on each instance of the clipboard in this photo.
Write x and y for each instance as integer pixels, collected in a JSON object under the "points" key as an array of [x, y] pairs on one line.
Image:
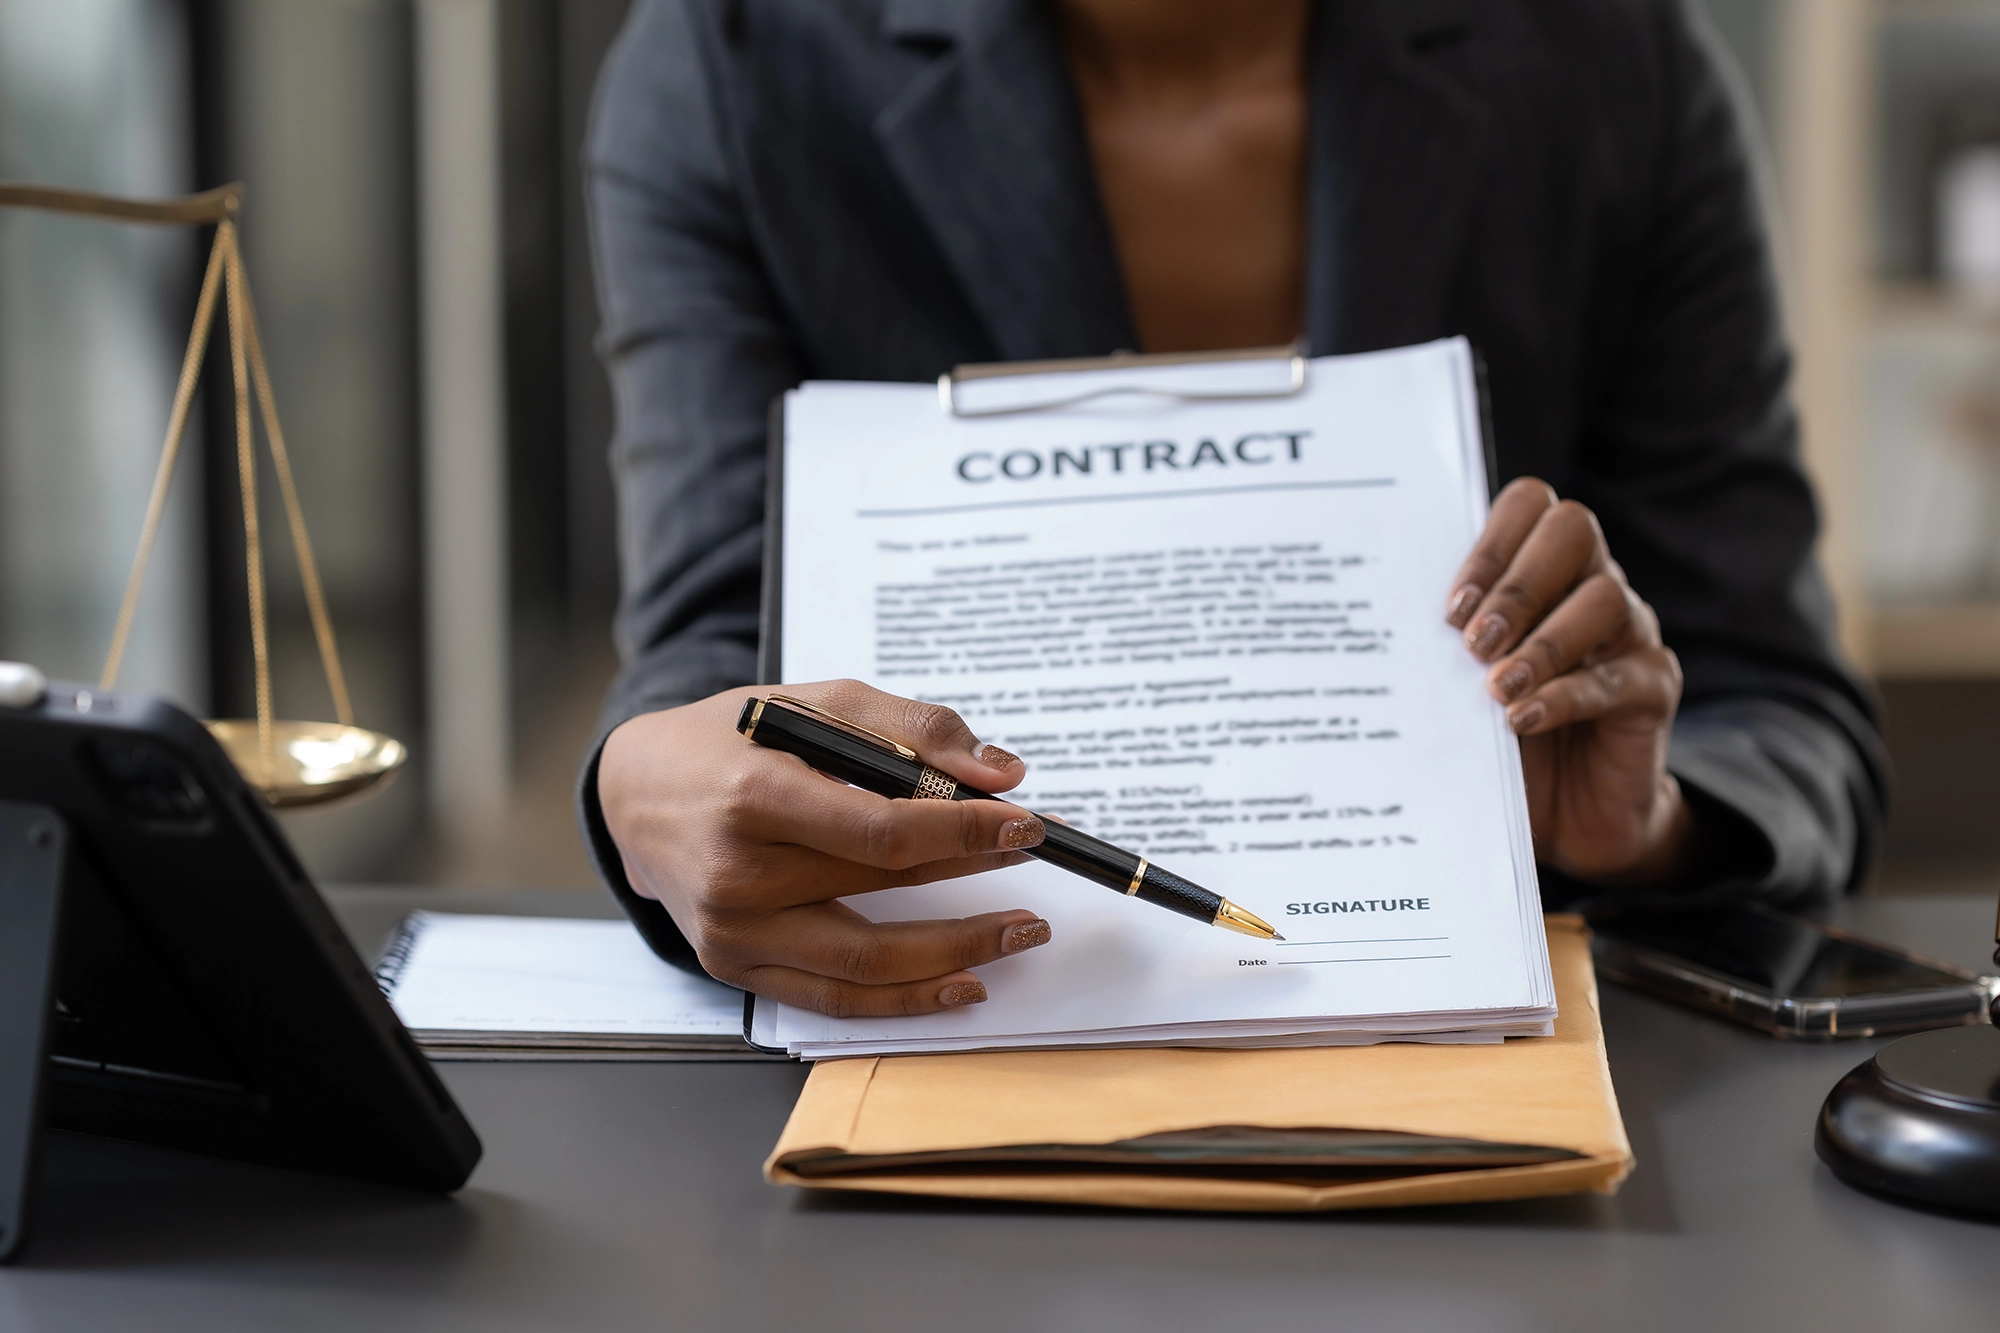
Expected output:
{"points": [[1066, 386], [1292, 357]]}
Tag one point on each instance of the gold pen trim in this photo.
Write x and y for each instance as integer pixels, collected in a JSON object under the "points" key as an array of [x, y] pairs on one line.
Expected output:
{"points": [[1137, 876], [837, 720], [756, 715], [934, 786], [1231, 917]]}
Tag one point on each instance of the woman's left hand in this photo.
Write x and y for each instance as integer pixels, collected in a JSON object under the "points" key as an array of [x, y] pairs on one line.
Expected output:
{"points": [[1576, 656]]}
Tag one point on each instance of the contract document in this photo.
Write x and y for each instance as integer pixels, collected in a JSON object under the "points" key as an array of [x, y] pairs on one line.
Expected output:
{"points": [[1208, 611]]}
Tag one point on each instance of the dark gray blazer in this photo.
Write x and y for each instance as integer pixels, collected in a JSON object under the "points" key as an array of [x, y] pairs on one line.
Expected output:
{"points": [[879, 189]]}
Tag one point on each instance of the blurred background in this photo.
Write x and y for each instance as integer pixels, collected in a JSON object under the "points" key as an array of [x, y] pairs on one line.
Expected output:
{"points": [[414, 234], [412, 181]]}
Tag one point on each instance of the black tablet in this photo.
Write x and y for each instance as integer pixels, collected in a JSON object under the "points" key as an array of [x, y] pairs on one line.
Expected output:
{"points": [[203, 997]]}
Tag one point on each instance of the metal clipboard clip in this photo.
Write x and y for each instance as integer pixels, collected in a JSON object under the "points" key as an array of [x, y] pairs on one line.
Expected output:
{"points": [[951, 386]]}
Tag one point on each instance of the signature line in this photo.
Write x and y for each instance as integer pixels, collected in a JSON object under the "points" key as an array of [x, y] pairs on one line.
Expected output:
{"points": [[1400, 939], [1407, 958]]}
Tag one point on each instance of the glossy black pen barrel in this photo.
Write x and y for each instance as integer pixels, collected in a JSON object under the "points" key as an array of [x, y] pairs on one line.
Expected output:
{"points": [[836, 753], [886, 772], [1113, 867], [1080, 854]]}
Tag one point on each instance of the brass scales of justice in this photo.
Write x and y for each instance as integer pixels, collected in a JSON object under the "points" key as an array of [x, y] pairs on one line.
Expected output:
{"points": [[292, 763]]}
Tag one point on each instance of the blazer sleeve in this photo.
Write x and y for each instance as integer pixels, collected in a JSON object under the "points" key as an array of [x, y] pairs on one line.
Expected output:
{"points": [[696, 348], [1691, 463]]}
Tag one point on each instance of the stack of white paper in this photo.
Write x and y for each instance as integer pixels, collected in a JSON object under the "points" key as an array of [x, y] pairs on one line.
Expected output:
{"points": [[517, 987], [1214, 629]]}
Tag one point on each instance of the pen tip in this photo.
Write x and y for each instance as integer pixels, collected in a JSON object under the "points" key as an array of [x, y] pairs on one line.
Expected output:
{"points": [[1231, 917]]}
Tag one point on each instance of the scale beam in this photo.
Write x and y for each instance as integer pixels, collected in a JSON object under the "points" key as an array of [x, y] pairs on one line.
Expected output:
{"points": [[292, 763]]}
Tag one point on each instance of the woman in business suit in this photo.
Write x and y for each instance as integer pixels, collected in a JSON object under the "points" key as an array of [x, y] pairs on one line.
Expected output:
{"points": [[881, 189]]}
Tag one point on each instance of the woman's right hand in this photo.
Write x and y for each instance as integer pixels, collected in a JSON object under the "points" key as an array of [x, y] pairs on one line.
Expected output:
{"points": [[748, 849]]}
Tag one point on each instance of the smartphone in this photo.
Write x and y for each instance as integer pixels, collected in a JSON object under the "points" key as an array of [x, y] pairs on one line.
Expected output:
{"points": [[1785, 974]]}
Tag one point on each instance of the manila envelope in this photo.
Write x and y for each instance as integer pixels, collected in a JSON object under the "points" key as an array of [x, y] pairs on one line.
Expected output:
{"points": [[1547, 1097]]}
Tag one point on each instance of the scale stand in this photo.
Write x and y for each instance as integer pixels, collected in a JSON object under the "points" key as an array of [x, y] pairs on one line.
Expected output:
{"points": [[32, 842], [1920, 1122], [292, 763]]}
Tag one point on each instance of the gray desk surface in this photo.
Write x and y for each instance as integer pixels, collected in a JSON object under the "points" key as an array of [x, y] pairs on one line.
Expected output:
{"points": [[628, 1197]]}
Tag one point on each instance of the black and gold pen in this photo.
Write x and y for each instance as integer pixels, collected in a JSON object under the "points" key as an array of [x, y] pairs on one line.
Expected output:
{"points": [[875, 763]]}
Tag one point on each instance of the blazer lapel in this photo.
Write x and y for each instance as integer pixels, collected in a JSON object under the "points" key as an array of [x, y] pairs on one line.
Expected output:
{"points": [[989, 144], [1399, 155]]}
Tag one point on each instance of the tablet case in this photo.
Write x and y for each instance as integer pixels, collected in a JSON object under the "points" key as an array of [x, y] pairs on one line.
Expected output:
{"points": [[197, 992], [32, 847]]}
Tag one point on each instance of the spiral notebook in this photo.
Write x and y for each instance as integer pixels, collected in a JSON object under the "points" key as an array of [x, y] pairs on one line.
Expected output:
{"points": [[473, 987], [1205, 602]]}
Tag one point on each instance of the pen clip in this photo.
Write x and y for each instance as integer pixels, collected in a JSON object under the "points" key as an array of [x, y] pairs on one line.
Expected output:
{"points": [[839, 721]]}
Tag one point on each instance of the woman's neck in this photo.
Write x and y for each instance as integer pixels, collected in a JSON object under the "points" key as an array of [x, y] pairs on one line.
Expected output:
{"points": [[1196, 115], [1184, 49]]}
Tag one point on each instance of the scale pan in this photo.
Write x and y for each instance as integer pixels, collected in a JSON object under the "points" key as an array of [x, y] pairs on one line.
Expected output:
{"points": [[313, 762]]}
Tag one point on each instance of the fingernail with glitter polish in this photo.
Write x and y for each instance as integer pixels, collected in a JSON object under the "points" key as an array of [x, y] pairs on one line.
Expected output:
{"points": [[1027, 935], [1461, 604], [1514, 681], [962, 993], [1484, 638], [1027, 831], [994, 757], [1527, 717]]}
